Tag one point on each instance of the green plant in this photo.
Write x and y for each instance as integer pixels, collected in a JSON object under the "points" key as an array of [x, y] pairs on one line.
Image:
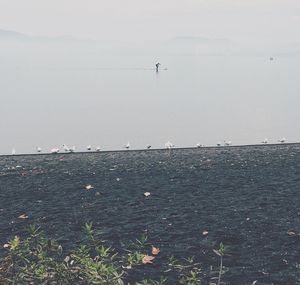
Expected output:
{"points": [[162, 281], [193, 277], [220, 252], [190, 272], [141, 242], [14, 243], [36, 259], [134, 258]]}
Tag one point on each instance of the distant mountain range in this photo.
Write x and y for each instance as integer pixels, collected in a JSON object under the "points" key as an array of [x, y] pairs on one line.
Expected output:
{"points": [[4, 34], [185, 45], [201, 40], [7, 35], [180, 45]]}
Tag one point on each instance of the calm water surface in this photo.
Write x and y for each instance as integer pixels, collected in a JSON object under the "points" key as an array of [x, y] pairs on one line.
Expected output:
{"points": [[58, 95]]}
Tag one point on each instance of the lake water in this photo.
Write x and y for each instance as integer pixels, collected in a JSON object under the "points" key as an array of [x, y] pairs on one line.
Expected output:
{"points": [[56, 94], [246, 197]]}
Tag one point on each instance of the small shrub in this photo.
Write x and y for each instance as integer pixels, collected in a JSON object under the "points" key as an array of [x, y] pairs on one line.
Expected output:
{"points": [[36, 259]]}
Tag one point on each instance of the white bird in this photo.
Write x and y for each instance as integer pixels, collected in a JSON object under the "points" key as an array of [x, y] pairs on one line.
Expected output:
{"points": [[148, 146], [38, 149], [218, 144], [13, 151], [265, 141], [127, 146], [54, 150], [89, 147], [227, 143], [198, 145], [169, 145], [283, 140], [97, 148], [66, 148]]}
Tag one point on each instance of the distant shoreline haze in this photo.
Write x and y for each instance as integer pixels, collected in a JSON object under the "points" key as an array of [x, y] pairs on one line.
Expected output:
{"points": [[179, 45]]}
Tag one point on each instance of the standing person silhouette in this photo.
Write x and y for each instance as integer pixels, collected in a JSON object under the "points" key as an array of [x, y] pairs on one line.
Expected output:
{"points": [[157, 66]]}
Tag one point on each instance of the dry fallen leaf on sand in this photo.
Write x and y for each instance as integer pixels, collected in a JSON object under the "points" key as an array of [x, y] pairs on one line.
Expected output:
{"points": [[146, 194], [155, 250], [127, 267], [147, 259], [23, 216], [89, 187]]}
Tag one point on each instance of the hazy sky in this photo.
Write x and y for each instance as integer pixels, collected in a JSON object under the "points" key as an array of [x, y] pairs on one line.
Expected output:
{"points": [[248, 20]]}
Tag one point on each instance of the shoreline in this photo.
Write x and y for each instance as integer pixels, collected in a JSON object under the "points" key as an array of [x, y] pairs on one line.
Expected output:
{"points": [[152, 149]]}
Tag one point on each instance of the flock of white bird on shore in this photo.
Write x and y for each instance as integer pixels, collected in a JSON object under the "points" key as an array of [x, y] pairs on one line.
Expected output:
{"points": [[168, 145]]}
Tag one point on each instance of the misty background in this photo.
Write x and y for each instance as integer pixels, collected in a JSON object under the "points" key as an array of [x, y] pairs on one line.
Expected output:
{"points": [[83, 72]]}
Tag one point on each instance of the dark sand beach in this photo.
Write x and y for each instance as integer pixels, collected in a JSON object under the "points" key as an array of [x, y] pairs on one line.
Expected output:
{"points": [[246, 197]]}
